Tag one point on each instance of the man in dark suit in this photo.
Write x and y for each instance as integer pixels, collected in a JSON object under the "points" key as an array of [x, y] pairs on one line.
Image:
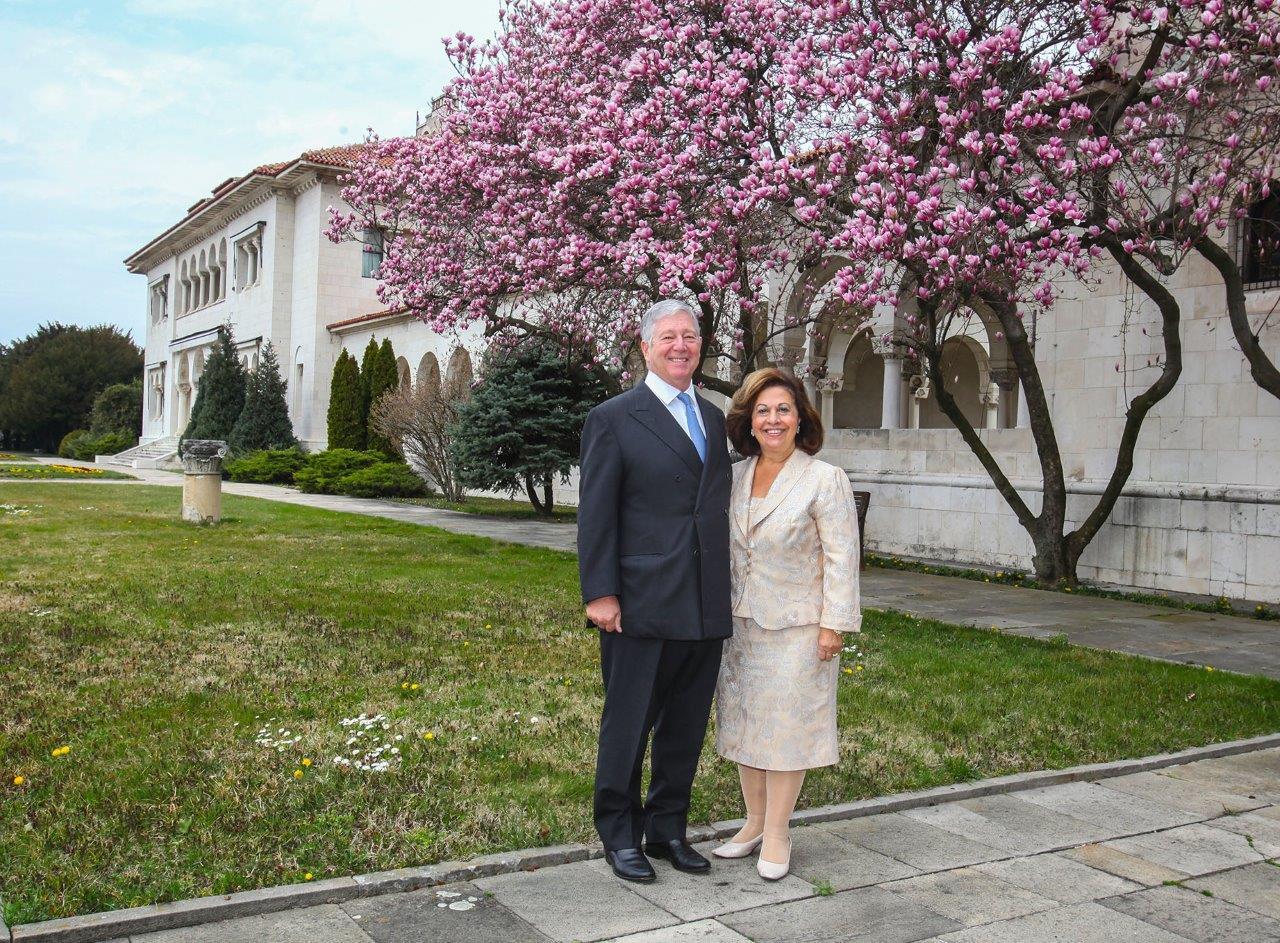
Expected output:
{"points": [[653, 556]]}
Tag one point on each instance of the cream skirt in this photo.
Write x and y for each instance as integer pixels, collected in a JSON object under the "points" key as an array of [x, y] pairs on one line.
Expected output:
{"points": [[776, 700]]}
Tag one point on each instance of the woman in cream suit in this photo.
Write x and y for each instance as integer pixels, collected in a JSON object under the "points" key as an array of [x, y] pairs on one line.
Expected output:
{"points": [[794, 545]]}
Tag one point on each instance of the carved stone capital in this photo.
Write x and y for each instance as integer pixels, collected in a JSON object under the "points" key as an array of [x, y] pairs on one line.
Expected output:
{"points": [[885, 347], [203, 456], [1006, 379], [922, 390], [992, 396], [830, 384]]}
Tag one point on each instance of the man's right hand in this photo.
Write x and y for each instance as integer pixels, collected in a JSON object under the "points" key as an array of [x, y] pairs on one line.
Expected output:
{"points": [[605, 613]]}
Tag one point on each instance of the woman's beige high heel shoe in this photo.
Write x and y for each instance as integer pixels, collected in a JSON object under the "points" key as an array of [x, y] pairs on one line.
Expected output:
{"points": [[772, 870], [738, 849]]}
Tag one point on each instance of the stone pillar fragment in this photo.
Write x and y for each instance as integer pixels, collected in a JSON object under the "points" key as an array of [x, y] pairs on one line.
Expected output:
{"points": [[202, 480], [828, 387], [891, 394]]}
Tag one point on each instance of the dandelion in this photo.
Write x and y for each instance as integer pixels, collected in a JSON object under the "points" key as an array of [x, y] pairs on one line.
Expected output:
{"points": [[848, 671], [488, 626], [414, 686], [1208, 667], [297, 774], [858, 668], [404, 686], [306, 761], [19, 780], [428, 735], [60, 751], [307, 876]]}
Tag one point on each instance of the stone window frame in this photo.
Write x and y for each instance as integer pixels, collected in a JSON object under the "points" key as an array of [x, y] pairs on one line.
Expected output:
{"points": [[248, 254], [158, 299], [1261, 224]]}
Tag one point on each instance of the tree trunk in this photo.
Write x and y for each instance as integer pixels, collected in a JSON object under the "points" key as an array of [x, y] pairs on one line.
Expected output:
{"points": [[542, 504], [1261, 367]]}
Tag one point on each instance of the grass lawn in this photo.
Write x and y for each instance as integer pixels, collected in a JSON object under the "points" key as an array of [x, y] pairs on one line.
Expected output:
{"points": [[496, 507], [193, 682], [45, 472]]}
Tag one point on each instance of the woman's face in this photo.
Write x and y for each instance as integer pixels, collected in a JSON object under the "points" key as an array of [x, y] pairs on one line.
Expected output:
{"points": [[775, 421]]}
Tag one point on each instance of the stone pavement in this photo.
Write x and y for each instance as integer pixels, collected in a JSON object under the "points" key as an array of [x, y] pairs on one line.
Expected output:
{"points": [[1189, 853], [1232, 643]]}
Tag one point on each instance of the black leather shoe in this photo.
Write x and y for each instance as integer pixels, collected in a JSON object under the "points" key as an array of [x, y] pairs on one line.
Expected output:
{"points": [[681, 855], [630, 864]]}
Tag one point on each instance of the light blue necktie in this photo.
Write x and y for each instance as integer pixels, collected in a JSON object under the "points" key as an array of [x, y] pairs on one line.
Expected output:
{"points": [[695, 430]]}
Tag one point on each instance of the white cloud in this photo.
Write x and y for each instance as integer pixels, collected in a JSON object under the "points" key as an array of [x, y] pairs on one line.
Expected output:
{"points": [[115, 124]]}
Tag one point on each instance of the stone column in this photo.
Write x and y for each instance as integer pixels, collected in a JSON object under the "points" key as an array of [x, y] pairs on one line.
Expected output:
{"points": [[918, 396], [891, 396], [991, 406], [202, 480], [1024, 416], [828, 387]]}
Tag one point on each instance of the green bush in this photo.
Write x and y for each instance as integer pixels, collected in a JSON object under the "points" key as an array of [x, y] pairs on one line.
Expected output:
{"points": [[384, 480], [325, 469], [70, 444], [109, 443], [267, 466]]}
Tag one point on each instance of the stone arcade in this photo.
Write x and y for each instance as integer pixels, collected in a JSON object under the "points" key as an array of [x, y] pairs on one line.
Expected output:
{"points": [[1201, 513]]}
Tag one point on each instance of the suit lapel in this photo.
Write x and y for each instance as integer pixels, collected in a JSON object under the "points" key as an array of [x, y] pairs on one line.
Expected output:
{"points": [[742, 495], [782, 486], [649, 411]]}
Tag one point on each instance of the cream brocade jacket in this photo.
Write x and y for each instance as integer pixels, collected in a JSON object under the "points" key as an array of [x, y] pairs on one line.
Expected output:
{"points": [[795, 561]]}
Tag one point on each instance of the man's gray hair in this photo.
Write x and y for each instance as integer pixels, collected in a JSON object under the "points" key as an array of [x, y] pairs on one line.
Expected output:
{"points": [[664, 309]]}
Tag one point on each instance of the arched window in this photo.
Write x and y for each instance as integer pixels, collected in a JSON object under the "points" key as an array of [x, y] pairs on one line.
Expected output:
{"points": [[858, 403], [402, 371], [963, 375], [429, 373], [457, 381]]}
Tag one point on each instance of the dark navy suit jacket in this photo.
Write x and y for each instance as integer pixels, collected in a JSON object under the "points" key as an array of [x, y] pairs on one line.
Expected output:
{"points": [[653, 521]]}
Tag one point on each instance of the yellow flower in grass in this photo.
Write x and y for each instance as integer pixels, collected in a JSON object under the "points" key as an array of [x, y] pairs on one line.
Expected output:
{"points": [[847, 671], [297, 774], [60, 751], [306, 761], [404, 685], [859, 668], [19, 780], [307, 876], [429, 735], [414, 686], [1208, 667]]}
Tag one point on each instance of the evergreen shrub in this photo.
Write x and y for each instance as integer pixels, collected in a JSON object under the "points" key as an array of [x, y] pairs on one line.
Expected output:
{"points": [[384, 480], [70, 444], [325, 469], [267, 466]]}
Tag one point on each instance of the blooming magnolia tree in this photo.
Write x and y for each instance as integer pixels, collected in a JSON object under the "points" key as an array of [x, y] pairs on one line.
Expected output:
{"points": [[963, 159], [972, 156], [595, 157]]}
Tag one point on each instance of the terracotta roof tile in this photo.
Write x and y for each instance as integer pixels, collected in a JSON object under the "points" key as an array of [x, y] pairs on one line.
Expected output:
{"points": [[371, 316]]}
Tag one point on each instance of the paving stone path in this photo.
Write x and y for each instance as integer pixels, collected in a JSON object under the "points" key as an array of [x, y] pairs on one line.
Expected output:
{"points": [[1232, 643], [1189, 853]]}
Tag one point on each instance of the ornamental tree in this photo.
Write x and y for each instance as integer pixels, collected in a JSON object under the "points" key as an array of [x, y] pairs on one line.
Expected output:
{"points": [[264, 422], [595, 157], [346, 423], [969, 161], [220, 396], [522, 426]]}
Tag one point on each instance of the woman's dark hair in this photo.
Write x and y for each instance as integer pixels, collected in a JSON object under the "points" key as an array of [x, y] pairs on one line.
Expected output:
{"points": [[738, 421]]}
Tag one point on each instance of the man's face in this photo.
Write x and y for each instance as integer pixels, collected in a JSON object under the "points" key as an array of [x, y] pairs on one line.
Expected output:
{"points": [[673, 352]]}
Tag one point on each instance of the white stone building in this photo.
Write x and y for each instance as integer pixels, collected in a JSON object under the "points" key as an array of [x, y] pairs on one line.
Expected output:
{"points": [[1201, 513], [254, 255]]}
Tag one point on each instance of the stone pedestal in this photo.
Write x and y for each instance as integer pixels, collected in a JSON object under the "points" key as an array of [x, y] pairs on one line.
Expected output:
{"points": [[202, 480]]}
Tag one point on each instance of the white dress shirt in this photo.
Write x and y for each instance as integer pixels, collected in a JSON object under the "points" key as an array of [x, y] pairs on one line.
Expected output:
{"points": [[668, 395]]}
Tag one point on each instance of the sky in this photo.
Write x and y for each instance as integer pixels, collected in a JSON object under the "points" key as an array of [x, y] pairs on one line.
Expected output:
{"points": [[117, 116]]}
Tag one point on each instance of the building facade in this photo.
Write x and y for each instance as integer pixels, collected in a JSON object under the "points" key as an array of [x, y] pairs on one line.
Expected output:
{"points": [[1201, 512], [254, 255]]}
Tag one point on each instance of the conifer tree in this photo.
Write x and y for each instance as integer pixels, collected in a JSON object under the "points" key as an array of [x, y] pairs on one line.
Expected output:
{"points": [[522, 425], [346, 414], [368, 367], [264, 422], [220, 397], [382, 377]]}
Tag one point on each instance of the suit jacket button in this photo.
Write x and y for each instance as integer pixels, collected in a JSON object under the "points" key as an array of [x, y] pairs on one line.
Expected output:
{"points": [[677, 477]]}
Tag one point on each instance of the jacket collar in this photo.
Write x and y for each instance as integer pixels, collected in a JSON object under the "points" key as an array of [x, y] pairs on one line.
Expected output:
{"points": [[650, 412], [782, 486]]}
